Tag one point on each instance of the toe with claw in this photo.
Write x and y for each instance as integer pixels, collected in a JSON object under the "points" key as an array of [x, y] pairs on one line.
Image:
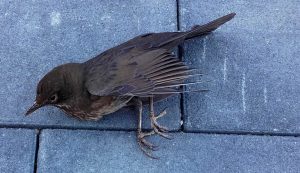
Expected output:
{"points": [[146, 146], [159, 129]]}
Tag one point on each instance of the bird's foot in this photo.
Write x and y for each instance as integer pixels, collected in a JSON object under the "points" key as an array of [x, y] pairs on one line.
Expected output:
{"points": [[157, 128], [145, 145]]}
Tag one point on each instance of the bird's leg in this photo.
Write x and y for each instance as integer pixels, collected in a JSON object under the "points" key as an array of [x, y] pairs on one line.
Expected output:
{"points": [[143, 143], [158, 129]]}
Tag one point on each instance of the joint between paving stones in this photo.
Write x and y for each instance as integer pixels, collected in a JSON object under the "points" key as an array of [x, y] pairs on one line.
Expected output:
{"points": [[37, 146]]}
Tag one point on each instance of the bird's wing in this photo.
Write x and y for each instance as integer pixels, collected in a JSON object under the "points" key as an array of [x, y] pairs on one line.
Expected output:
{"points": [[136, 73], [143, 65]]}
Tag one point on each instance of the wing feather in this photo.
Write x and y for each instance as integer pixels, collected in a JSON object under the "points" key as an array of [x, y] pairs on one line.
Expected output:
{"points": [[137, 74]]}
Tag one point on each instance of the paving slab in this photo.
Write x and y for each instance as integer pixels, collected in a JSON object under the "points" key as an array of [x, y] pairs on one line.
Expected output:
{"points": [[107, 151], [39, 35], [17, 150], [251, 64]]}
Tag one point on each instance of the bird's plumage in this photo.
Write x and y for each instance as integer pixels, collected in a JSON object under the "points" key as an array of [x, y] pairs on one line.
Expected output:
{"points": [[143, 67], [141, 74]]}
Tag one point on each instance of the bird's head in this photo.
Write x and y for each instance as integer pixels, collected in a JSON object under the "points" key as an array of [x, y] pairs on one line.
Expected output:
{"points": [[52, 89]]}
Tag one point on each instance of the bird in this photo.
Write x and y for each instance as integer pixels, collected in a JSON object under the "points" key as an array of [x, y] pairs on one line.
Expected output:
{"points": [[140, 71]]}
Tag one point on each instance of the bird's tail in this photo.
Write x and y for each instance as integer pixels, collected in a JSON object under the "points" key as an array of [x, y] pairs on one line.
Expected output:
{"points": [[201, 30]]}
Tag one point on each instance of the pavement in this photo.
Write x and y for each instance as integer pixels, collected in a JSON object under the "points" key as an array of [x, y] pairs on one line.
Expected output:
{"points": [[247, 121]]}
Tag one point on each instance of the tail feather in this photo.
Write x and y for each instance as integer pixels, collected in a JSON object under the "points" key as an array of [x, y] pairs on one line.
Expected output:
{"points": [[200, 30], [197, 30]]}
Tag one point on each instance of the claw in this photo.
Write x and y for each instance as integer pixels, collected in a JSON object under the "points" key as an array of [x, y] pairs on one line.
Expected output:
{"points": [[145, 145], [144, 142], [164, 112], [158, 129], [148, 154], [162, 134]]}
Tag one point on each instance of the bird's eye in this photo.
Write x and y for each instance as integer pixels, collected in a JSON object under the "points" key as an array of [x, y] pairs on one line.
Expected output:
{"points": [[53, 98]]}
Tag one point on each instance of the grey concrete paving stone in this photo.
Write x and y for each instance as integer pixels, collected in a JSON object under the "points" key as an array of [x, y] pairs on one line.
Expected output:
{"points": [[251, 64], [39, 35], [17, 150], [106, 151]]}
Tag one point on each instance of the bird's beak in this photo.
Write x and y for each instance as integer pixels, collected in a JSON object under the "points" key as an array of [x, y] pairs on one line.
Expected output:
{"points": [[33, 108]]}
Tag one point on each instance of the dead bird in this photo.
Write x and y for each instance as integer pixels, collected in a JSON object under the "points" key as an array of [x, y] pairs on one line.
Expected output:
{"points": [[139, 71]]}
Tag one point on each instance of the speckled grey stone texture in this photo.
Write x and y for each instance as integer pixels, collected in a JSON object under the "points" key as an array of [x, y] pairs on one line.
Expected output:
{"points": [[17, 150], [251, 64], [95, 151], [39, 35]]}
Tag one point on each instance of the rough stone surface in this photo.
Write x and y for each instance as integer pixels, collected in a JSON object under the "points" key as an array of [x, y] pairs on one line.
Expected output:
{"points": [[94, 151], [39, 35], [17, 150], [251, 64]]}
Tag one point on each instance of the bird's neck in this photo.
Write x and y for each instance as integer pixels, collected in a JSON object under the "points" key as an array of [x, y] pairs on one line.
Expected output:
{"points": [[73, 75]]}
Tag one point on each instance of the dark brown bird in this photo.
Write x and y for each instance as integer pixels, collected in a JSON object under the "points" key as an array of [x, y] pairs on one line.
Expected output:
{"points": [[139, 71]]}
